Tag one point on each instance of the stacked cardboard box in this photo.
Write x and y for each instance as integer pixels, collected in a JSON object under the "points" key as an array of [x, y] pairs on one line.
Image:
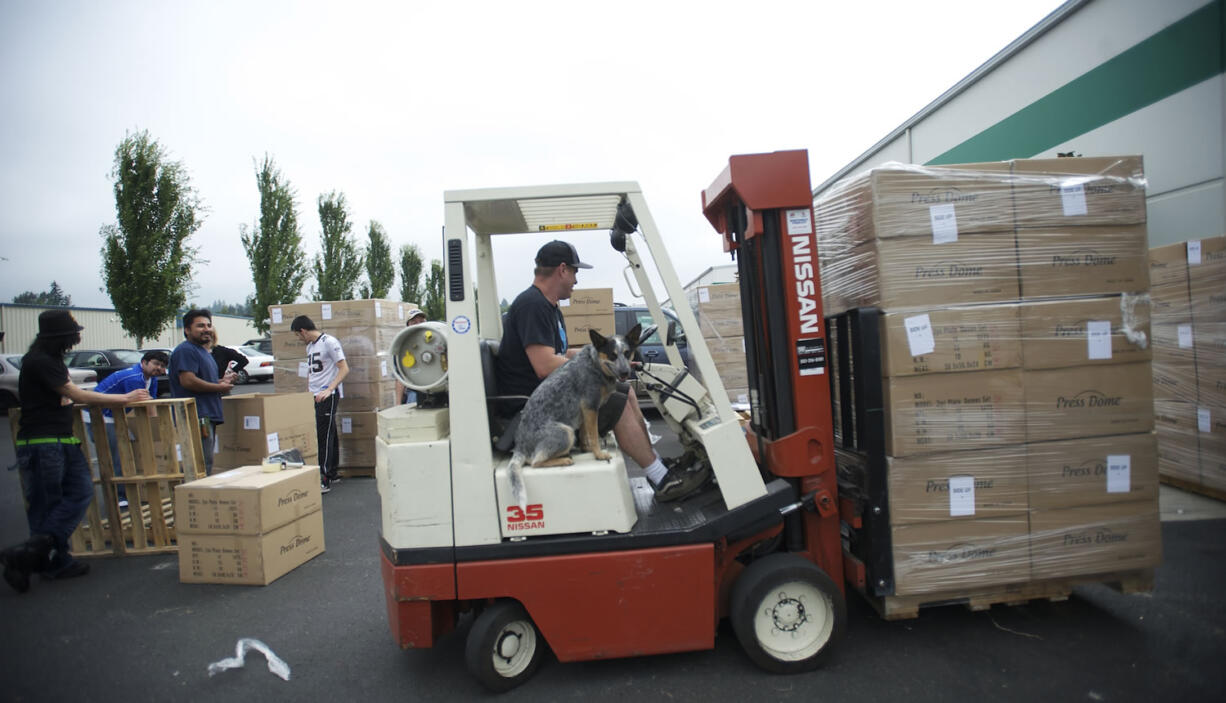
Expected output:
{"points": [[262, 423], [718, 311], [245, 526], [588, 309], [365, 330], [1189, 381], [1014, 327]]}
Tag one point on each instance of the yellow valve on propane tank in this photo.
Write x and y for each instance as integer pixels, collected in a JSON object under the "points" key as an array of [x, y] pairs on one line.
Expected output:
{"points": [[407, 360]]}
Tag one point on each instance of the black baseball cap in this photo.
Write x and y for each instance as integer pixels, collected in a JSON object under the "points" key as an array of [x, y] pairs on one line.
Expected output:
{"points": [[559, 252]]}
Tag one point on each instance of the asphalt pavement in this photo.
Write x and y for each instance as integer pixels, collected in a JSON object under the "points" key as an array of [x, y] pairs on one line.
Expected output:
{"points": [[130, 631]]}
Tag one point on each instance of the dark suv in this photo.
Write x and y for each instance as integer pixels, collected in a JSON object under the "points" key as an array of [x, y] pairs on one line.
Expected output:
{"points": [[652, 348]]}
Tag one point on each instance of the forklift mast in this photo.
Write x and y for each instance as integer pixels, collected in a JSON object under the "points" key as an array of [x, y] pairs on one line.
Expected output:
{"points": [[763, 207]]}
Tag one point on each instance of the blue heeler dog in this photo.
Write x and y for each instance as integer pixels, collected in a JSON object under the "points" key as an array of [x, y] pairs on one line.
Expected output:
{"points": [[569, 400]]}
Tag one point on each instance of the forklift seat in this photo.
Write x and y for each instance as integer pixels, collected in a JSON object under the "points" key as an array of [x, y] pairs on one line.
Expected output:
{"points": [[502, 428]]}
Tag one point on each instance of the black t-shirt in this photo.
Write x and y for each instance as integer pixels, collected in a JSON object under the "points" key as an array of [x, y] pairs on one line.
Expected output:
{"points": [[224, 355], [531, 319], [42, 414]]}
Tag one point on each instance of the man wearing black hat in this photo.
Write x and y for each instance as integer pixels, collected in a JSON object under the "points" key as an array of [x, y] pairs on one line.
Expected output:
{"points": [[55, 477], [534, 344]]}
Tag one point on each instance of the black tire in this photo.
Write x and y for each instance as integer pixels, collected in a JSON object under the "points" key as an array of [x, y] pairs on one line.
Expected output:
{"points": [[787, 613], [504, 647], [243, 377]]}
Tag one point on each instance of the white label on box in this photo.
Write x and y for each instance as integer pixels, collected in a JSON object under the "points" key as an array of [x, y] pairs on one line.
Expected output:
{"points": [[1098, 339], [919, 335], [276, 316], [383, 368], [400, 311], [179, 451], [961, 496], [1203, 420], [800, 221], [347, 425], [1194, 253], [1073, 196], [1185, 336], [378, 309], [302, 369], [274, 443], [944, 223], [1119, 468], [325, 311], [704, 295], [251, 422]]}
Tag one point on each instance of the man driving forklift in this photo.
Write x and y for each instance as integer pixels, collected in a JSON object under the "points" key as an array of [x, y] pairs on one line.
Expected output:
{"points": [[534, 344]]}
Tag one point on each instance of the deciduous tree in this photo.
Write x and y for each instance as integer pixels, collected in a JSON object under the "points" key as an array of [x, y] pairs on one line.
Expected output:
{"points": [[338, 266], [435, 304], [146, 259], [410, 274], [380, 272], [274, 245]]}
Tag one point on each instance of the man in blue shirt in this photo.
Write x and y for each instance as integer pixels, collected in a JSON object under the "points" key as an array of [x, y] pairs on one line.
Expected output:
{"points": [[140, 376], [193, 374]]}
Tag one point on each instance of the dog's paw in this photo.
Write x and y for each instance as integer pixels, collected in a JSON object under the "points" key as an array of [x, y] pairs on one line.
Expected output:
{"points": [[602, 455]]}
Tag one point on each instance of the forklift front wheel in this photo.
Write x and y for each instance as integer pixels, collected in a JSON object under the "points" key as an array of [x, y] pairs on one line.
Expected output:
{"points": [[786, 613], [504, 647]]}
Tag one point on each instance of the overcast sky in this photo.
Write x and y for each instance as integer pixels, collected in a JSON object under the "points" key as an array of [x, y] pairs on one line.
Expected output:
{"points": [[393, 103]]}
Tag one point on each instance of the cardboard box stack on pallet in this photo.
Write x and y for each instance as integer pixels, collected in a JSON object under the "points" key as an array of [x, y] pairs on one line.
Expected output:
{"points": [[1189, 300], [588, 309], [245, 526], [718, 310], [365, 329], [1016, 364]]}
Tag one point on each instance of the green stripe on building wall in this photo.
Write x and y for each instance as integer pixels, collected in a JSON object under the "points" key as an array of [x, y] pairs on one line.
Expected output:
{"points": [[1174, 59]]}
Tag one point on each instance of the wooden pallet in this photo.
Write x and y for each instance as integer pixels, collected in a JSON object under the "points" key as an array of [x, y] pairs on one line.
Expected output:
{"points": [[164, 451], [1193, 487], [908, 607], [357, 471]]}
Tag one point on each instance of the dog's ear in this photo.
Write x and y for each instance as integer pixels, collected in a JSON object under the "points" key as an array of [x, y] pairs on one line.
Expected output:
{"points": [[598, 339], [638, 334]]}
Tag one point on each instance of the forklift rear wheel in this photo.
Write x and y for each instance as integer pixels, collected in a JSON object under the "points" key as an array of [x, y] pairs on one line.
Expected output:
{"points": [[504, 647], [786, 613]]}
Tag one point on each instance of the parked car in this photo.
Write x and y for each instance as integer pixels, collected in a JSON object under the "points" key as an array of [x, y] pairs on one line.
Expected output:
{"points": [[10, 369], [103, 362], [263, 344], [259, 365], [652, 348]]}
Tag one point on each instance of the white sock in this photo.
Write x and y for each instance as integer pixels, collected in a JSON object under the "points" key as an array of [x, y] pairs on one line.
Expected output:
{"points": [[656, 471]]}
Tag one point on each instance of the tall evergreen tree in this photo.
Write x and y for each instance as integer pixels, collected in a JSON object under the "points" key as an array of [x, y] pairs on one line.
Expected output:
{"points": [[274, 245], [338, 266], [53, 297], [146, 259], [380, 272], [410, 274], [435, 305]]}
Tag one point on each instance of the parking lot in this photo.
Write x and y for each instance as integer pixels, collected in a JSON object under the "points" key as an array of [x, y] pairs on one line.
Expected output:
{"points": [[130, 631]]}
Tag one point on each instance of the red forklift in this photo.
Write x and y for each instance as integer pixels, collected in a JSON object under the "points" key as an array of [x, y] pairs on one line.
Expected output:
{"points": [[594, 567]]}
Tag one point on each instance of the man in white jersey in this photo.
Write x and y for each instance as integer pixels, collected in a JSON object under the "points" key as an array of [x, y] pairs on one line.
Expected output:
{"points": [[326, 369]]}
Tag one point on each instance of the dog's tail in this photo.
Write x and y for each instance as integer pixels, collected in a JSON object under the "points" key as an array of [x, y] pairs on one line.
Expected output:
{"points": [[518, 494]]}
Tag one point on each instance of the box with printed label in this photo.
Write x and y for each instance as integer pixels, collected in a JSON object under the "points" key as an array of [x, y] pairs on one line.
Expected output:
{"points": [[961, 554], [588, 301], [337, 313], [250, 559], [954, 411], [578, 328], [369, 369], [259, 424], [1175, 425], [246, 500], [1169, 304], [1083, 261], [1097, 539], [1088, 401], [289, 375], [355, 341], [1092, 471], [358, 424], [1086, 331], [1168, 266], [1207, 280], [367, 397], [723, 300], [1107, 190], [957, 485], [1211, 428], [357, 451], [945, 340]]}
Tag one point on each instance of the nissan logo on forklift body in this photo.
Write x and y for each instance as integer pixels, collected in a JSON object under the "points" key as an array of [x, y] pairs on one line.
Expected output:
{"points": [[811, 352]]}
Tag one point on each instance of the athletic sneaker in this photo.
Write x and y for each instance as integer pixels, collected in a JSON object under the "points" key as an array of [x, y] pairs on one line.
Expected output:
{"points": [[324, 488], [681, 482], [16, 569], [70, 570]]}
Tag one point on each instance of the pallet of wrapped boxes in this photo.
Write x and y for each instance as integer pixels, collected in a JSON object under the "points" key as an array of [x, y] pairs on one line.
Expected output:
{"points": [[992, 348], [717, 308], [1189, 300], [365, 330], [247, 525]]}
